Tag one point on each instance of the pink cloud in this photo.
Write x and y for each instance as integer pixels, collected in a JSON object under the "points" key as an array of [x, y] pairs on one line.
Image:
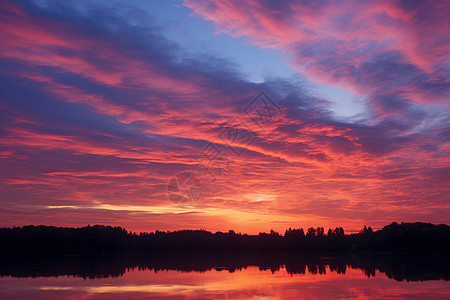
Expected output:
{"points": [[333, 41]]}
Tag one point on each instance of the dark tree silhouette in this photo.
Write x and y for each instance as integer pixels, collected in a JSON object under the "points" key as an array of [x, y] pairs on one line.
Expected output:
{"points": [[319, 231], [311, 232], [100, 239]]}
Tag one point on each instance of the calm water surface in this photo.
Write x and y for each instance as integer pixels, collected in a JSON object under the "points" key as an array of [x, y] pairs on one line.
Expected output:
{"points": [[200, 277]]}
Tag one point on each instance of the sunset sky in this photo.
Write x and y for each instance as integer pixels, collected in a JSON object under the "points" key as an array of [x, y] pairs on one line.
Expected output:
{"points": [[104, 103]]}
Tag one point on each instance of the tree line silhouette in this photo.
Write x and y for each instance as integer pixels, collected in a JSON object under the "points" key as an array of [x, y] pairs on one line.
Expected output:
{"points": [[100, 239]]}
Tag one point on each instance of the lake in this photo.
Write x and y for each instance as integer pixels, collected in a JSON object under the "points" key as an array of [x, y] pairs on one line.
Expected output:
{"points": [[226, 276]]}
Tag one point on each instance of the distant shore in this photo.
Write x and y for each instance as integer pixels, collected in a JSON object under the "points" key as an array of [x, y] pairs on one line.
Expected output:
{"points": [[101, 239]]}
